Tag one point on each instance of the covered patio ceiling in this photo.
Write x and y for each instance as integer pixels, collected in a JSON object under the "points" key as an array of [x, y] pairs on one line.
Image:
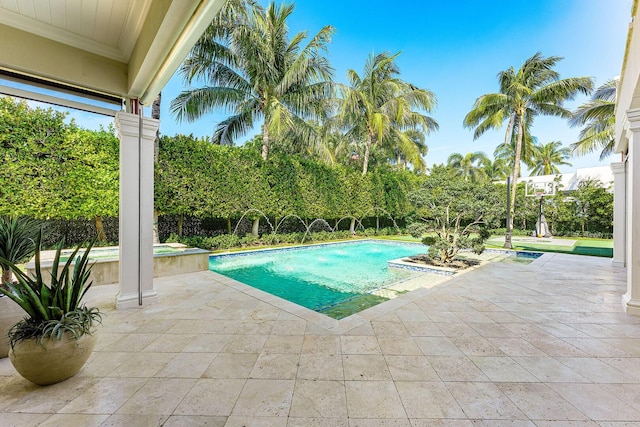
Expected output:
{"points": [[105, 49]]}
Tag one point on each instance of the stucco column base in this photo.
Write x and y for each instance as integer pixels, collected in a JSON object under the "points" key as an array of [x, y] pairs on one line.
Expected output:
{"points": [[617, 263], [630, 305], [124, 302]]}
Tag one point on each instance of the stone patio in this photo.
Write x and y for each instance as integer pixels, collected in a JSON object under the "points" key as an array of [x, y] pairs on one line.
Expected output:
{"points": [[544, 344]]}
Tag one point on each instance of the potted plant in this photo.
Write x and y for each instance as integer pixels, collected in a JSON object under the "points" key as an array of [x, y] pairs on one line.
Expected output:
{"points": [[57, 337], [17, 244]]}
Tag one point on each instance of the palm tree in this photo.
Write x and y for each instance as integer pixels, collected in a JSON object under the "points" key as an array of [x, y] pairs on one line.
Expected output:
{"points": [[507, 152], [469, 166], [253, 69], [548, 157], [598, 118], [496, 170], [379, 107], [534, 89], [411, 150]]}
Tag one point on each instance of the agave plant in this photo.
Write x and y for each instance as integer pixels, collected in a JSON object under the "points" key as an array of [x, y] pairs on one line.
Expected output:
{"points": [[17, 235], [53, 308]]}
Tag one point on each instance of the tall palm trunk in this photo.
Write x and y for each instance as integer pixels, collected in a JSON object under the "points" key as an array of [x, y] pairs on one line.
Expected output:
{"points": [[255, 227], [516, 164], [265, 141], [155, 114], [507, 135], [180, 224], [367, 152], [101, 235]]}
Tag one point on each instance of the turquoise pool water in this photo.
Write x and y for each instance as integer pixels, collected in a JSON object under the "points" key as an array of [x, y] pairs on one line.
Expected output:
{"points": [[321, 277]]}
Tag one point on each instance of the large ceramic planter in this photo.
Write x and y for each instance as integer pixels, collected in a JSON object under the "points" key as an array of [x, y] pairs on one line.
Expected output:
{"points": [[10, 314], [51, 361]]}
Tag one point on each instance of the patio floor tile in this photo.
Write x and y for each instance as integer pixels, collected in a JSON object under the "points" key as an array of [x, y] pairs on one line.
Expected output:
{"points": [[363, 367], [548, 369], [105, 397], [265, 398], [359, 344], [319, 399], [596, 402], [194, 421], [539, 402], [157, 396], [428, 400], [503, 369], [373, 399], [411, 368], [229, 365], [211, 397], [484, 401], [498, 346]]}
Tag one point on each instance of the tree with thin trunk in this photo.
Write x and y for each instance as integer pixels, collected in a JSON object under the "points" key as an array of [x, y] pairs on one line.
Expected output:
{"points": [[534, 89], [379, 106], [548, 157], [598, 118], [254, 70]]}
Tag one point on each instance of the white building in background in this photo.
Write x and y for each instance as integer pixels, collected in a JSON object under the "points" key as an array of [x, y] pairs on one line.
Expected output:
{"points": [[569, 181], [626, 215]]}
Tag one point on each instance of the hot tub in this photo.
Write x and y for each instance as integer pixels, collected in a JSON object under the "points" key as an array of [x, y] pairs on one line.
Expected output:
{"points": [[168, 259]]}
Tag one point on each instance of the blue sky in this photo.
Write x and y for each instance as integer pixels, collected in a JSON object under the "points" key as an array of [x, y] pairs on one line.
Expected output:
{"points": [[456, 49]]}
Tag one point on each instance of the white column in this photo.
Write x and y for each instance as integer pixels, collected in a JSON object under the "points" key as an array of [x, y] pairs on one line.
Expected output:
{"points": [[619, 214], [631, 300], [136, 209]]}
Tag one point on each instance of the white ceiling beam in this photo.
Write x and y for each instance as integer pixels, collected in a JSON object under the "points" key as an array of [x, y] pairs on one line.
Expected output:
{"points": [[40, 97], [165, 40]]}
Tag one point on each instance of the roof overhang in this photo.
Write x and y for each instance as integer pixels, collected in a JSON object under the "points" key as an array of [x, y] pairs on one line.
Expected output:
{"points": [[112, 48]]}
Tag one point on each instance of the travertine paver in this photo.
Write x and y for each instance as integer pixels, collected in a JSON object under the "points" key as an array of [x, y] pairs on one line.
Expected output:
{"points": [[544, 344]]}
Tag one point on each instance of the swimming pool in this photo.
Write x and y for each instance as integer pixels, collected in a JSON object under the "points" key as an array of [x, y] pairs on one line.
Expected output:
{"points": [[336, 279]]}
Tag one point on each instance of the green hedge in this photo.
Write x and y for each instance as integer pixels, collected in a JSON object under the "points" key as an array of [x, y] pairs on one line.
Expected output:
{"points": [[194, 177]]}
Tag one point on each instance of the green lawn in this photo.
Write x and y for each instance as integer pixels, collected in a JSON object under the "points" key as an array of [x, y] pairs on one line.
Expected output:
{"points": [[583, 246]]}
